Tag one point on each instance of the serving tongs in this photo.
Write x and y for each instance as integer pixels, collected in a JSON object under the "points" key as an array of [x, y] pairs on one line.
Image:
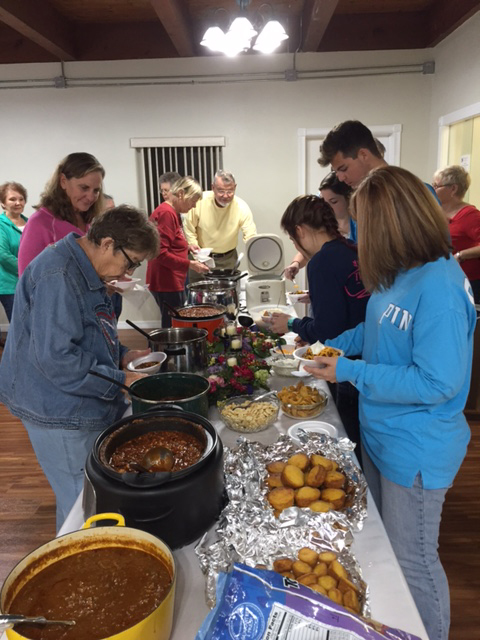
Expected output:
{"points": [[8, 621]]}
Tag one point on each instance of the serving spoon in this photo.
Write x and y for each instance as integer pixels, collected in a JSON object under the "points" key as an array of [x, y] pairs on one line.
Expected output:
{"points": [[129, 390], [137, 328], [157, 459], [264, 395], [7, 621], [173, 311]]}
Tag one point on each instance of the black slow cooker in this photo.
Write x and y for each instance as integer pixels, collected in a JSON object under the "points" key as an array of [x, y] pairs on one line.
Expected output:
{"points": [[177, 507]]}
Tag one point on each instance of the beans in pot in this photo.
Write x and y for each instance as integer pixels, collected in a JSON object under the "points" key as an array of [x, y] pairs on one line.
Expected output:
{"points": [[187, 449], [199, 312]]}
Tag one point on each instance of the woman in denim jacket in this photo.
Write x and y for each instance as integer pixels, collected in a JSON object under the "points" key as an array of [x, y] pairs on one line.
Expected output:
{"points": [[63, 326]]}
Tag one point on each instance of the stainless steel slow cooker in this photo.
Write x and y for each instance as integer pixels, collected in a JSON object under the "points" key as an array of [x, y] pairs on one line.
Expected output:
{"points": [[178, 507], [222, 292], [185, 348]]}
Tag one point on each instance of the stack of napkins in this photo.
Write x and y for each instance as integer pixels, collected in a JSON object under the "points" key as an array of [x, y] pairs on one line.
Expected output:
{"points": [[203, 255]]}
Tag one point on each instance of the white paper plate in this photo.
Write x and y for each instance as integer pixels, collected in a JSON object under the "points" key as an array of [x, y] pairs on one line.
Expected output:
{"points": [[125, 285], [312, 426]]}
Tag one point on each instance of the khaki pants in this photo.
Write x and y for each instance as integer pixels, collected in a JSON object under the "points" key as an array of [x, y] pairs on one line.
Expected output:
{"points": [[226, 261]]}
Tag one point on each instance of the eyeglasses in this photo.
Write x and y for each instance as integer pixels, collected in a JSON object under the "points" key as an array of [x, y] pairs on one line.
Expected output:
{"points": [[131, 265], [225, 192], [437, 186]]}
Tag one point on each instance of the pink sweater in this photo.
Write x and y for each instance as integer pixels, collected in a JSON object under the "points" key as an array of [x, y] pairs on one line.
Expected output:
{"points": [[42, 230]]}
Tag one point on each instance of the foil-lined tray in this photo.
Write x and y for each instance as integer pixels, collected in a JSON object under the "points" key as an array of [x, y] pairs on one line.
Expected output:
{"points": [[248, 530]]}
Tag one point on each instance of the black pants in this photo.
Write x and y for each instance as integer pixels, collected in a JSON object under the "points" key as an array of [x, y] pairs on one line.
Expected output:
{"points": [[174, 299], [346, 399]]}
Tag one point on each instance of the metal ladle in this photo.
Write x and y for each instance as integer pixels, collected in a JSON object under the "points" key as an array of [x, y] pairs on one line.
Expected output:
{"points": [[157, 459], [264, 395], [7, 621], [129, 390]]}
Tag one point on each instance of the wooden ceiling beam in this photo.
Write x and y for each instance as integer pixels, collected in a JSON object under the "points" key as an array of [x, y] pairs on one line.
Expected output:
{"points": [[317, 15], [173, 16], [40, 23], [447, 15], [376, 31]]}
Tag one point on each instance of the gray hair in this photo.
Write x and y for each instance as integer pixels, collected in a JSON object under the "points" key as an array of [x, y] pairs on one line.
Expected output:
{"points": [[128, 227], [454, 174], [226, 176]]}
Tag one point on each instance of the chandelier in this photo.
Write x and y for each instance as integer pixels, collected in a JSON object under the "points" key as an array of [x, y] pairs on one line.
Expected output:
{"points": [[241, 33]]}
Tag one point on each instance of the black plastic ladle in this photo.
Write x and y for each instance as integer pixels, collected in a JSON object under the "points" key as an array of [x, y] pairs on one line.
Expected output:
{"points": [[119, 384], [172, 310], [137, 328]]}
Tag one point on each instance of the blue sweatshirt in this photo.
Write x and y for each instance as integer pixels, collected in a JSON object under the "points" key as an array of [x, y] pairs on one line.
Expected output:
{"points": [[414, 376], [337, 295]]}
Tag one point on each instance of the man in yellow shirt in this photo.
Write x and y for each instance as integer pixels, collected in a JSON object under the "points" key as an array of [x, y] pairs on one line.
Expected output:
{"points": [[216, 219]]}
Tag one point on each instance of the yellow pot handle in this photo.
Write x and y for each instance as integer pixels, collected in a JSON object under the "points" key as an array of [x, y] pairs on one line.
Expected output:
{"points": [[105, 516]]}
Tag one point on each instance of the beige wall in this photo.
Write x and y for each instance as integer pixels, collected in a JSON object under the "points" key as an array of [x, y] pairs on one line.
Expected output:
{"points": [[259, 118]]}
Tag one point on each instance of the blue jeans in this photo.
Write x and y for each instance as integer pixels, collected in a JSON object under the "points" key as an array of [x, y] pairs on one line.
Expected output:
{"points": [[62, 454], [7, 302], [412, 516]]}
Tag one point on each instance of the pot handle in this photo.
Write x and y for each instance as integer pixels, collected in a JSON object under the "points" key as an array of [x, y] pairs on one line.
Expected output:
{"points": [[163, 407], [160, 517], [105, 516], [181, 351], [145, 479]]}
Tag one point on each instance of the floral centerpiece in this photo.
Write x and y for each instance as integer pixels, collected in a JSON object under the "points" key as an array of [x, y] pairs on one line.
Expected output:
{"points": [[257, 342], [235, 375]]}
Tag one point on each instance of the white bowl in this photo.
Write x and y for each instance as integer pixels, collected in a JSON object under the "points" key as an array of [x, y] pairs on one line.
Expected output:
{"points": [[295, 297], [125, 285], [298, 354], [258, 317], [312, 426], [156, 358]]}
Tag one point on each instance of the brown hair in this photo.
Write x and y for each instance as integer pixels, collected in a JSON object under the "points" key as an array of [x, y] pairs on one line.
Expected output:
{"points": [[312, 211], [347, 138], [128, 227], [400, 226], [12, 186], [54, 198]]}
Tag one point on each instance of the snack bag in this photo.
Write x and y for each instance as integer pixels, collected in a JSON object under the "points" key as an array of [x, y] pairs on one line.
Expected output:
{"points": [[255, 604]]}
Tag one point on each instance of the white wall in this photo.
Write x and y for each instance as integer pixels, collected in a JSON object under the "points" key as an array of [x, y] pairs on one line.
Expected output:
{"points": [[457, 77], [258, 117]]}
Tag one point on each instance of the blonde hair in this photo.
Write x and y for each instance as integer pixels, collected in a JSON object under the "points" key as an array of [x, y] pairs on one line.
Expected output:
{"points": [[188, 185], [400, 226], [454, 174]]}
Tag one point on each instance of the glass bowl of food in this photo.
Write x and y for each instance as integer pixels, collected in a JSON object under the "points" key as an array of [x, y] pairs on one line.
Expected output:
{"points": [[284, 366], [302, 401], [239, 415]]}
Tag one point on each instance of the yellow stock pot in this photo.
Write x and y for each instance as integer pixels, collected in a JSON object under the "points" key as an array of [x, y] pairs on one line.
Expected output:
{"points": [[156, 626]]}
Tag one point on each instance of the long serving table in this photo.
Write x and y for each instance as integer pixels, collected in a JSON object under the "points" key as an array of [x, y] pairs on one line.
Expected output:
{"points": [[390, 597]]}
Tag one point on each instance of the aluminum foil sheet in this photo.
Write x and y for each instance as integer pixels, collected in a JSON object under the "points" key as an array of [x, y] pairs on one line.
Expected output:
{"points": [[248, 531]]}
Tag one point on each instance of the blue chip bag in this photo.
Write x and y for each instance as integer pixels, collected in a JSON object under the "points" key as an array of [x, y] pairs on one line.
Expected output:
{"points": [[256, 604]]}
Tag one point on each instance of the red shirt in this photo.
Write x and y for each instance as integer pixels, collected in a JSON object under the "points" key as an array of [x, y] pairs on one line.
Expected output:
{"points": [[168, 271], [465, 233]]}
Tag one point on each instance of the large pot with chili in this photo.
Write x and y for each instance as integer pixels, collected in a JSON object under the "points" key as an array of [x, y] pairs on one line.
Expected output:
{"points": [[112, 581], [202, 316], [177, 505]]}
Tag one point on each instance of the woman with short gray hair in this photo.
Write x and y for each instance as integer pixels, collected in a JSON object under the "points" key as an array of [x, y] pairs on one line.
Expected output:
{"points": [[63, 327], [451, 184]]}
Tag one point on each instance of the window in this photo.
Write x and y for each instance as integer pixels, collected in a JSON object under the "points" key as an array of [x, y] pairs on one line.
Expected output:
{"points": [[197, 157]]}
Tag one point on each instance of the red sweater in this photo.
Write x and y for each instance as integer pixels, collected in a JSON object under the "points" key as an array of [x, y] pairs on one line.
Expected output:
{"points": [[168, 271], [465, 233]]}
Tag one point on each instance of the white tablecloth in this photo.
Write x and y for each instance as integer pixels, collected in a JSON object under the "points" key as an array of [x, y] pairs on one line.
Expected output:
{"points": [[390, 597]]}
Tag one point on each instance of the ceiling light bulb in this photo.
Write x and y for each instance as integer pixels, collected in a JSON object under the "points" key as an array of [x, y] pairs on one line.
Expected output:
{"points": [[242, 28], [234, 44], [270, 37], [214, 39]]}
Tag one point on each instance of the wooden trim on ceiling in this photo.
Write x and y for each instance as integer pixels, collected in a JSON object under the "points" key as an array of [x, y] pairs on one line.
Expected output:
{"points": [[376, 31], [317, 15], [446, 16], [173, 16], [38, 21]]}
